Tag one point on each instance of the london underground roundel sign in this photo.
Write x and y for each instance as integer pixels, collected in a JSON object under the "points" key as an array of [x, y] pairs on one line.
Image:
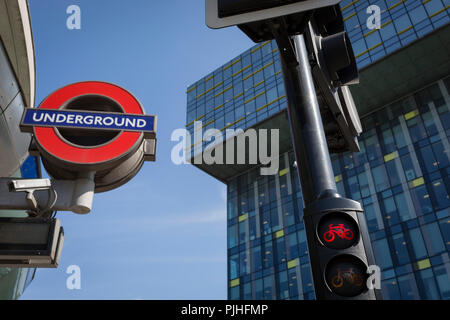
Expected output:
{"points": [[45, 121], [90, 126]]}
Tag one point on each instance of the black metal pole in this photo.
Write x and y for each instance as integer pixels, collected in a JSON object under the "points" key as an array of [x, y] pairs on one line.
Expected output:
{"points": [[310, 145]]}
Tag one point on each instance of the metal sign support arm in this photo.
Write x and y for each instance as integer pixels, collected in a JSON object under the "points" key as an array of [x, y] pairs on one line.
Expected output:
{"points": [[61, 195]]}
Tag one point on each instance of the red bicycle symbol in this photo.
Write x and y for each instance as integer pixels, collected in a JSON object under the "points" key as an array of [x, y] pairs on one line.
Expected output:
{"points": [[338, 230]]}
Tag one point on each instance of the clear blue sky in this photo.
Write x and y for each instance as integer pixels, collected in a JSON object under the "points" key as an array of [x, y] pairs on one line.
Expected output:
{"points": [[162, 235]]}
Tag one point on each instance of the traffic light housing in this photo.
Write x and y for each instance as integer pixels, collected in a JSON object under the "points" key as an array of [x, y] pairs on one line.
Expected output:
{"points": [[334, 69], [340, 247], [332, 47]]}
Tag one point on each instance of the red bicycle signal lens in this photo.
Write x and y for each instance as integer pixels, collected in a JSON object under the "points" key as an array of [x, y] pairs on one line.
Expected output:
{"points": [[338, 230]]}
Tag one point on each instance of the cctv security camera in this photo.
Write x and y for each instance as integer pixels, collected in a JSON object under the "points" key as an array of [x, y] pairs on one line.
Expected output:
{"points": [[30, 185]]}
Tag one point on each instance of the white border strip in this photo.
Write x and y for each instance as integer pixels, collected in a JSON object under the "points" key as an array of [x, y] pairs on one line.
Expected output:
{"points": [[26, 23]]}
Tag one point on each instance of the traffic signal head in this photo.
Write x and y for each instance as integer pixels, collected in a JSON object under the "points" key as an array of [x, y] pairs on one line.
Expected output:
{"points": [[339, 245], [339, 59], [332, 47], [333, 69]]}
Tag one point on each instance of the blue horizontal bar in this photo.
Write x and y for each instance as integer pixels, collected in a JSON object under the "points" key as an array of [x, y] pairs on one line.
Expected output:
{"points": [[87, 120]]}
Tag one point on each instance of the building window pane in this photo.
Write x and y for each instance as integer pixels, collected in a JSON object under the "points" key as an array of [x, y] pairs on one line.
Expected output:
{"points": [[275, 219], [371, 217], [268, 255], [259, 294], [266, 222], [443, 280], [243, 231], [232, 207], [430, 126], [399, 137], [269, 292], [232, 236], [388, 141], [416, 129], [373, 149], [421, 200], [354, 188], [390, 289], [433, 238], [256, 258], [380, 178], [391, 211], [234, 293], [429, 288], [393, 174], [292, 246], [302, 244], [252, 228], [402, 207], [442, 155], [408, 167], [281, 250], [445, 227], [408, 287], [364, 185], [441, 195], [244, 263], [382, 254], [401, 250], [418, 14], [417, 243], [428, 159], [307, 278], [234, 266], [247, 291], [283, 290]]}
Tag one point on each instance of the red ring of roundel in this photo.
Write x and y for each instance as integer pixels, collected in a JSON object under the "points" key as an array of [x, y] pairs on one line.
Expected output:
{"points": [[53, 144]]}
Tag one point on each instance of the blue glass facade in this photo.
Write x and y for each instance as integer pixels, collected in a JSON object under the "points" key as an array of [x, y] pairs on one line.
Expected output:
{"points": [[401, 176], [267, 248], [240, 94], [402, 21]]}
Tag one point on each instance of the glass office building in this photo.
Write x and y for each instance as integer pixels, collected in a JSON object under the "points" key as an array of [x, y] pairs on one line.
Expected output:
{"points": [[242, 93], [401, 176], [402, 21]]}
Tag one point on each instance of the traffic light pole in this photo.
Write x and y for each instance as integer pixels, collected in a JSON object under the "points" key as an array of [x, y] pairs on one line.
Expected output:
{"points": [[339, 267], [310, 144]]}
